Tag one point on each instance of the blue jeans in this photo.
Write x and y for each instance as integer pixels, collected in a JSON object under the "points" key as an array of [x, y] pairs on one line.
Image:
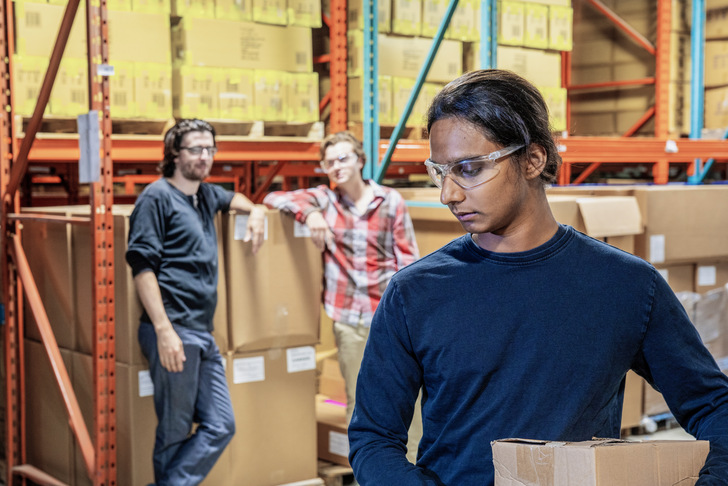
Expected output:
{"points": [[199, 394]]}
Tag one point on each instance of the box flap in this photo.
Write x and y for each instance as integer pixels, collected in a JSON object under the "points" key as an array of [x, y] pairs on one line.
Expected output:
{"points": [[610, 216]]}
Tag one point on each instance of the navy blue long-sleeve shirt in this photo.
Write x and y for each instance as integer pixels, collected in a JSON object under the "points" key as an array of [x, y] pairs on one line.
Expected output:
{"points": [[533, 344], [173, 235]]}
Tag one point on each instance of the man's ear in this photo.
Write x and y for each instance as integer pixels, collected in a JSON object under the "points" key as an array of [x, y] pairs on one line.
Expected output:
{"points": [[536, 161]]}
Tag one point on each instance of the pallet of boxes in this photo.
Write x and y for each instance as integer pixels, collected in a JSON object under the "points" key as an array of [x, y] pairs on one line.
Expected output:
{"points": [[266, 326]]}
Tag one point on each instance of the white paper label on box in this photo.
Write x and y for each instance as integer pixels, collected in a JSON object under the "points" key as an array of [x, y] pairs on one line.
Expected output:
{"points": [[657, 248], [301, 230], [665, 274], [707, 275], [338, 443], [146, 387], [248, 370], [241, 224], [301, 359]]}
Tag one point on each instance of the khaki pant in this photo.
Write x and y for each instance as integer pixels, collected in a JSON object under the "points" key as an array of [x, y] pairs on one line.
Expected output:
{"points": [[350, 341]]}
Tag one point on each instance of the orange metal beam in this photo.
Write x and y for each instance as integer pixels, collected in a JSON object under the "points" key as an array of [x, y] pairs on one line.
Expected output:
{"points": [[662, 68], [76, 422], [337, 34], [624, 26]]}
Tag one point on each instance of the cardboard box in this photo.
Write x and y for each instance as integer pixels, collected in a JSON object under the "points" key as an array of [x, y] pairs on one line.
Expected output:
{"points": [[303, 97], [273, 395], [50, 440], [355, 93], [331, 381], [560, 28], [153, 90], [36, 30], [711, 320], [632, 405], [139, 37], [556, 101], [274, 296], [465, 22], [600, 462], [305, 13], [121, 90], [236, 93], [69, 96], [28, 75], [716, 63], [402, 89], [270, 12], [152, 6], [203, 9], [716, 23], [677, 227], [355, 16], [511, 23], [331, 429], [251, 45], [271, 95], [716, 108], [194, 93], [404, 56], [407, 17], [234, 10], [542, 68], [48, 248], [680, 277], [536, 25], [710, 276]]}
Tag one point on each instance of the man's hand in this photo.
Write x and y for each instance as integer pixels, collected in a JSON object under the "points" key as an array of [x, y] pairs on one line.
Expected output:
{"points": [[255, 231], [171, 351], [321, 234]]}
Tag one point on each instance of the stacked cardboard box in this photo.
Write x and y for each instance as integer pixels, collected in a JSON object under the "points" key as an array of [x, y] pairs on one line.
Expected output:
{"points": [[716, 68], [266, 326]]}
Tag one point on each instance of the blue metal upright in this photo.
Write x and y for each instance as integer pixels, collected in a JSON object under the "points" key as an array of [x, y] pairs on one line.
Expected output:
{"points": [[697, 86], [381, 169], [371, 89], [488, 34]]}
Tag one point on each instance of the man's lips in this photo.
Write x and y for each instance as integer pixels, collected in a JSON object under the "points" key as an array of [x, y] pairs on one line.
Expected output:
{"points": [[463, 215]]}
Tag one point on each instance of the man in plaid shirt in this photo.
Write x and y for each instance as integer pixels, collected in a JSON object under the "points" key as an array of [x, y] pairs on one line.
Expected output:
{"points": [[365, 234]]}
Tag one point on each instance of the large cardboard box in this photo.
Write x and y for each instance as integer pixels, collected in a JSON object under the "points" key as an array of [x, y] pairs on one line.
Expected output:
{"points": [[560, 28], [716, 108], [274, 296], [121, 89], [273, 393], [204, 9], [716, 63], [48, 248], [139, 37], [333, 441], [271, 95], [153, 90], [236, 93], [354, 98], [710, 276], [542, 68], [234, 9], [407, 17], [632, 404], [36, 30], [28, 75], [355, 15], [195, 92], [69, 97], [251, 45], [303, 97], [50, 440], [680, 277], [602, 462], [270, 12], [536, 25], [404, 56], [511, 22], [305, 13], [677, 227]]}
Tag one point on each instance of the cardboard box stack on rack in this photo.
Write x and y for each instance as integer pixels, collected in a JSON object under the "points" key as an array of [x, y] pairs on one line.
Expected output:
{"points": [[169, 60], [266, 326], [716, 66], [530, 36], [680, 229]]}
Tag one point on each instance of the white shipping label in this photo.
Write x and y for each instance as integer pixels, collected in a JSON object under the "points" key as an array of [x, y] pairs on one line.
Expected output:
{"points": [[301, 230], [248, 370], [657, 248], [146, 387], [301, 359], [707, 275], [338, 443], [241, 224]]}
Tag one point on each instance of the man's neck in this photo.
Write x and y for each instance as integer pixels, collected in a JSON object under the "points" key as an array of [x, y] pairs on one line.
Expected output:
{"points": [[185, 186], [354, 189]]}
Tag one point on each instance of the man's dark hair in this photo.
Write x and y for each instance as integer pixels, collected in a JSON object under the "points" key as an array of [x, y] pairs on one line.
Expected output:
{"points": [[506, 108], [173, 141]]}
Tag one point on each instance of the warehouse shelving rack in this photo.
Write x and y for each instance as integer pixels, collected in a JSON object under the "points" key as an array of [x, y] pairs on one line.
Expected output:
{"points": [[247, 161]]}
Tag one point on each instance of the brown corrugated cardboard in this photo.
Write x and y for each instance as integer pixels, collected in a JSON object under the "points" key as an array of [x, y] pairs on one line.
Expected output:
{"points": [[511, 22], [37, 26], [331, 382], [355, 92], [153, 90], [333, 441], [407, 17], [709, 276], [716, 63], [716, 108], [274, 296], [273, 397], [50, 439], [28, 74], [632, 405], [252, 45], [139, 37], [678, 228], [355, 17], [306, 13], [601, 462], [194, 92], [680, 277], [540, 67]]}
